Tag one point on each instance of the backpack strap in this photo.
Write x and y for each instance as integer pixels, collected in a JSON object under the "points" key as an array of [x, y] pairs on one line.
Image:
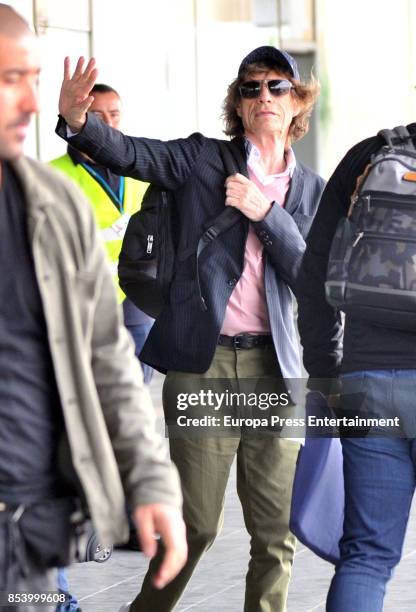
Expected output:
{"points": [[229, 216], [234, 162], [405, 137], [233, 156], [398, 138]]}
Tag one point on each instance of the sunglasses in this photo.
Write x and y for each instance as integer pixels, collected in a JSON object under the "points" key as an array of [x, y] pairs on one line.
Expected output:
{"points": [[277, 87]]}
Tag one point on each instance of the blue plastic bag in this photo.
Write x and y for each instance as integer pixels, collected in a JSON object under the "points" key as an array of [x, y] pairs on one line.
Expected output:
{"points": [[317, 510]]}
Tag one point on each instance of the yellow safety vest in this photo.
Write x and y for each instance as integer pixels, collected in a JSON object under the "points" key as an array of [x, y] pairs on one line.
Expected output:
{"points": [[110, 220]]}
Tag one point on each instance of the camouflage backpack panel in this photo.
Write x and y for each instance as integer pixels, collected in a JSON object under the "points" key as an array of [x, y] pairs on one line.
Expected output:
{"points": [[372, 264]]}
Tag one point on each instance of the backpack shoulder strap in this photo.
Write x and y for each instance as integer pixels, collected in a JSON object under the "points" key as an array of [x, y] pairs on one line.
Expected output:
{"points": [[233, 156], [398, 138], [234, 161]]}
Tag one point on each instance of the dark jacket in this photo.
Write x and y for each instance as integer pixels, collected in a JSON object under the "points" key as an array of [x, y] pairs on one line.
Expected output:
{"points": [[185, 336], [365, 346]]}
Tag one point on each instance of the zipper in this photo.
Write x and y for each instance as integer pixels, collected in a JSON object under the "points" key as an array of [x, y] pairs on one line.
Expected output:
{"points": [[383, 198], [162, 258], [357, 239], [376, 236]]}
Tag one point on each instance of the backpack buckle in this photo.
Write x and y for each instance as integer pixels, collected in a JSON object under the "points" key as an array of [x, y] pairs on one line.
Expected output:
{"points": [[211, 233]]}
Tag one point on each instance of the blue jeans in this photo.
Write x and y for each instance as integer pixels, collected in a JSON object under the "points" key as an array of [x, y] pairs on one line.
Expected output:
{"points": [[72, 604], [139, 334], [379, 475]]}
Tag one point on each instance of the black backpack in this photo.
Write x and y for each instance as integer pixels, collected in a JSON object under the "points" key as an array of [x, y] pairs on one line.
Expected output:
{"points": [[147, 259], [372, 263]]}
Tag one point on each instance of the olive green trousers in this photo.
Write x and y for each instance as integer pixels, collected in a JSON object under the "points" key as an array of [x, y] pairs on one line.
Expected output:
{"points": [[265, 471]]}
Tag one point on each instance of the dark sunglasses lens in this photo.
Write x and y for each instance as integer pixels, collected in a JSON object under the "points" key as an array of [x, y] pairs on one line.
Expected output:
{"points": [[250, 89], [279, 88]]}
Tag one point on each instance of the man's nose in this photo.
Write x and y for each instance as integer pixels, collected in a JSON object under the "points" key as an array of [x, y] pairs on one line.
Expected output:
{"points": [[264, 91], [30, 98]]}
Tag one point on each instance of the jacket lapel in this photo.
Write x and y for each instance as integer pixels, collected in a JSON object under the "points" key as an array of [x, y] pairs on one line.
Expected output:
{"points": [[294, 195]]}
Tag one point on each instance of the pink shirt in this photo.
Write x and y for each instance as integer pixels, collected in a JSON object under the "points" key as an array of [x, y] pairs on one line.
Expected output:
{"points": [[247, 308]]}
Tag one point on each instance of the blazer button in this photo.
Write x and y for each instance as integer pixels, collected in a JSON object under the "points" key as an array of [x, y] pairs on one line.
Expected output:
{"points": [[232, 282]]}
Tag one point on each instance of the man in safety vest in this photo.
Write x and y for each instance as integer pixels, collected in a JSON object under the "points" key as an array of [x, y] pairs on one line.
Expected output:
{"points": [[114, 199]]}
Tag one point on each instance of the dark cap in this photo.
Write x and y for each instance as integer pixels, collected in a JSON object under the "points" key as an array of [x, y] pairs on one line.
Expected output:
{"points": [[275, 58]]}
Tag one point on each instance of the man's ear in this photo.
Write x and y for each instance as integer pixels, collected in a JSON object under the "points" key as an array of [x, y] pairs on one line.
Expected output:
{"points": [[238, 110]]}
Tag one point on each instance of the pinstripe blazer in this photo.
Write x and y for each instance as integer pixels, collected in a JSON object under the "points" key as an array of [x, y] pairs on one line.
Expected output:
{"points": [[184, 336]]}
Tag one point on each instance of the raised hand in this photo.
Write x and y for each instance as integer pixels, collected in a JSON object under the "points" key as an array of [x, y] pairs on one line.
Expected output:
{"points": [[74, 99]]}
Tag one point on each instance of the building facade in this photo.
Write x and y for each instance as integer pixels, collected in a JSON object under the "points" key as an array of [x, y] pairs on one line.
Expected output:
{"points": [[171, 61]]}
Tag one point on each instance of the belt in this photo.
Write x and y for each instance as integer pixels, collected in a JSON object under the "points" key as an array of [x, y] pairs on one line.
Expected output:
{"points": [[245, 341]]}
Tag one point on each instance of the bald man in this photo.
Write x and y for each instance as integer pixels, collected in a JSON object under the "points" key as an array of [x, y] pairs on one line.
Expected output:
{"points": [[77, 430]]}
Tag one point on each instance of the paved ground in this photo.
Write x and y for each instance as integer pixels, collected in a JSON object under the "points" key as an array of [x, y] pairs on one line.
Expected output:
{"points": [[218, 584]]}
